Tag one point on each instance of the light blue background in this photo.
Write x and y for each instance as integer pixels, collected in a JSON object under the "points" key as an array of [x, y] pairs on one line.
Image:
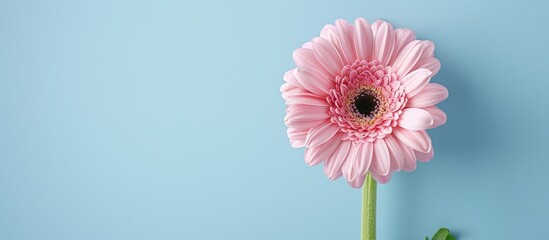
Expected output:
{"points": [[163, 120]]}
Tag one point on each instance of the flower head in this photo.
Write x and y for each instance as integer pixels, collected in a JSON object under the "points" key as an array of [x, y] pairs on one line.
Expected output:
{"points": [[360, 100]]}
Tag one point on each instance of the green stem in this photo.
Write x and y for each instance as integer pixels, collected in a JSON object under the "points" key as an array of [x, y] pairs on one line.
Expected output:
{"points": [[369, 208]]}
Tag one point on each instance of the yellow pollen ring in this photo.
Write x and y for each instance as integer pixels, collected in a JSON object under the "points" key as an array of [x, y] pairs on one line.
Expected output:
{"points": [[377, 92]]}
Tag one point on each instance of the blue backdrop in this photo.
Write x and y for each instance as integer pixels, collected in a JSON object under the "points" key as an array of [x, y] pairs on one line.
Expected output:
{"points": [[163, 120]]}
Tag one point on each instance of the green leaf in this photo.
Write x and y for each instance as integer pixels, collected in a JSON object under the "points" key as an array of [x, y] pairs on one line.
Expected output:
{"points": [[443, 234], [426, 238]]}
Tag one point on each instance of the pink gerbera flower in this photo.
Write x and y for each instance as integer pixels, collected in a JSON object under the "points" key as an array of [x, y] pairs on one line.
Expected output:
{"points": [[360, 100]]}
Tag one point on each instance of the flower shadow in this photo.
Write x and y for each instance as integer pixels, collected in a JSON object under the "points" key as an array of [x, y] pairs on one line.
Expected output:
{"points": [[470, 129], [470, 132]]}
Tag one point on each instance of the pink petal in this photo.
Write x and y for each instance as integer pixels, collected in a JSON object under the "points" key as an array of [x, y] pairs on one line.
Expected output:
{"points": [[415, 81], [292, 88], [297, 137], [417, 140], [289, 77], [364, 158], [407, 58], [432, 94], [427, 59], [403, 36], [395, 151], [305, 125], [375, 26], [300, 113], [314, 80], [305, 57], [297, 143], [430, 63], [345, 34], [306, 100], [439, 117], [409, 158], [330, 33], [332, 166], [318, 154], [327, 55], [384, 43], [381, 161], [380, 178], [415, 119], [349, 164], [428, 49], [291, 91], [425, 157], [287, 90], [308, 45], [321, 134], [357, 182], [364, 40]]}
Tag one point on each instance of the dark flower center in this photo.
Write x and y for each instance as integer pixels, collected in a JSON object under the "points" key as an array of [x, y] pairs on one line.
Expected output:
{"points": [[366, 104]]}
